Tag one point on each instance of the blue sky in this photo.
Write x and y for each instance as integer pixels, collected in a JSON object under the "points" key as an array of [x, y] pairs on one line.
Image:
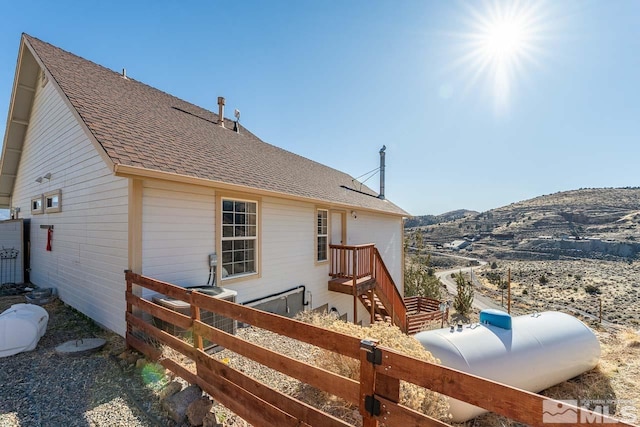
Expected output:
{"points": [[468, 121]]}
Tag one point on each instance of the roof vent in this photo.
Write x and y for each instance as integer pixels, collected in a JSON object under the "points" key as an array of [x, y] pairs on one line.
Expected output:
{"points": [[221, 110], [124, 73], [236, 126], [381, 195]]}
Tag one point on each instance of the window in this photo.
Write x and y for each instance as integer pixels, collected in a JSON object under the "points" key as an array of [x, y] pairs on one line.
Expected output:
{"points": [[53, 201], [36, 205], [239, 237], [322, 235]]}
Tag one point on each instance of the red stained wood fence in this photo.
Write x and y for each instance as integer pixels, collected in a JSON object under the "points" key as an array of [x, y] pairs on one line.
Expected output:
{"points": [[375, 393]]}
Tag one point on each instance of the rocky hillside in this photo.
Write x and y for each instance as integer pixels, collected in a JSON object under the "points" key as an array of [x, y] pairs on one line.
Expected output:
{"points": [[601, 222], [422, 220]]}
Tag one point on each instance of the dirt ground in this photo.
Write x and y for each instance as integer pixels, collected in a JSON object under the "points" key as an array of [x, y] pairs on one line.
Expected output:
{"points": [[578, 287]]}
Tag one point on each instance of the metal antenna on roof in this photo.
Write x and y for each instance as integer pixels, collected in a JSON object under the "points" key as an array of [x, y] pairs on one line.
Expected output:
{"points": [[236, 113]]}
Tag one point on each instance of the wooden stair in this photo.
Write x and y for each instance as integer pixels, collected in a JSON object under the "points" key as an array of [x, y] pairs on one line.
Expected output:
{"points": [[380, 311], [359, 270]]}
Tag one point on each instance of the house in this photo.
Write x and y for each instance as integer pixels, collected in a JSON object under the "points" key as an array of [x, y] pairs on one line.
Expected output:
{"points": [[458, 245], [113, 174]]}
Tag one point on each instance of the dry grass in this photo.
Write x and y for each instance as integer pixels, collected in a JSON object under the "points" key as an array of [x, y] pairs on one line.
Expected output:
{"points": [[417, 398]]}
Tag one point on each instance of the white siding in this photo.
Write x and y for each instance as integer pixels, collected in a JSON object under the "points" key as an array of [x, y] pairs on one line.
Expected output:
{"points": [[89, 247], [288, 258], [386, 233], [178, 232]]}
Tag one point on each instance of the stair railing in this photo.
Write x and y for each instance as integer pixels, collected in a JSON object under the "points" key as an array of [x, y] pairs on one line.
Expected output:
{"points": [[386, 289]]}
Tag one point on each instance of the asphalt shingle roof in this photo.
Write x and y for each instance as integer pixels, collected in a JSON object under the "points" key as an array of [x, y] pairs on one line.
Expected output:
{"points": [[141, 126]]}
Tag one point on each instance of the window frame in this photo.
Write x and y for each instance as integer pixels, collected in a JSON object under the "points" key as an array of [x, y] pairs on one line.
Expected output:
{"points": [[39, 199], [50, 195], [318, 235], [221, 199]]}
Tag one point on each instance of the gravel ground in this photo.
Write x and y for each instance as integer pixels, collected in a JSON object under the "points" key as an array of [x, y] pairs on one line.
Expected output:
{"points": [[43, 388]]}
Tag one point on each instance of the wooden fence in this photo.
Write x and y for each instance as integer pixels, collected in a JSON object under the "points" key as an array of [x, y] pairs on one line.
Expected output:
{"points": [[376, 392], [423, 310]]}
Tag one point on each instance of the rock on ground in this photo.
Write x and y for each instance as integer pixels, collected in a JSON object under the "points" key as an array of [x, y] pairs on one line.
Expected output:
{"points": [[177, 404], [198, 410], [169, 390]]}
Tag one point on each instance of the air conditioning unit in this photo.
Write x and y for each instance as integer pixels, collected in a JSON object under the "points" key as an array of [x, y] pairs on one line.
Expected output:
{"points": [[225, 324]]}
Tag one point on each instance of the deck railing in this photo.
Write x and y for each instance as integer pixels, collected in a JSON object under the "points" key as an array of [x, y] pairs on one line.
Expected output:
{"points": [[386, 289], [354, 261], [359, 261], [375, 392]]}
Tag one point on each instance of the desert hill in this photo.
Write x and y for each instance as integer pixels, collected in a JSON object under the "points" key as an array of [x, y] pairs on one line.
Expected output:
{"points": [[585, 223], [421, 220]]}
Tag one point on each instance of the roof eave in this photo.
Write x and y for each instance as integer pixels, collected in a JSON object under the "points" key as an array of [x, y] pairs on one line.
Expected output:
{"points": [[127, 171], [16, 126]]}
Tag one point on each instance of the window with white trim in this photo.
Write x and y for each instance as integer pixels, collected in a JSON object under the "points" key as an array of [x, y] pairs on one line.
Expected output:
{"points": [[322, 235], [239, 237]]}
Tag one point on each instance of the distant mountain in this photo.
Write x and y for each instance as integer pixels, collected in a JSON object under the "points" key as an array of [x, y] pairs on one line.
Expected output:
{"points": [[554, 223], [422, 220]]}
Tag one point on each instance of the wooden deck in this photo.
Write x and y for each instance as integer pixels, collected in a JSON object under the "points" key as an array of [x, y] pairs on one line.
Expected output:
{"points": [[375, 289], [344, 285]]}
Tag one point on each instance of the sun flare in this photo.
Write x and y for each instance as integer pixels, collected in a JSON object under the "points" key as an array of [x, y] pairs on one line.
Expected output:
{"points": [[504, 38], [501, 45]]}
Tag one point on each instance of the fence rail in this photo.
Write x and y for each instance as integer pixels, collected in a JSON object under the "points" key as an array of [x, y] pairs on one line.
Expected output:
{"points": [[375, 393]]}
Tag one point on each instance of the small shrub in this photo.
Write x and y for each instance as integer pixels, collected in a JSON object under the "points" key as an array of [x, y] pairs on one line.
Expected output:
{"points": [[543, 280], [464, 299], [422, 282], [592, 290]]}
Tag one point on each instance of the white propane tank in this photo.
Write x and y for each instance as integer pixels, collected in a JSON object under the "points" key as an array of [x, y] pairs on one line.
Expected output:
{"points": [[21, 327], [531, 352]]}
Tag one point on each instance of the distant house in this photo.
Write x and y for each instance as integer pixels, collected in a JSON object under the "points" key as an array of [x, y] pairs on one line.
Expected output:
{"points": [[458, 245], [114, 174]]}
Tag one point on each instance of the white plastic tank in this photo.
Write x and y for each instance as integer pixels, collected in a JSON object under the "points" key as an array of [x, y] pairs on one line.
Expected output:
{"points": [[531, 352], [21, 327]]}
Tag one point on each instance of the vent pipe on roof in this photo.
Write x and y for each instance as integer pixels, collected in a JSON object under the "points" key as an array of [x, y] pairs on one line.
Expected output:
{"points": [[381, 195], [221, 110], [236, 128], [124, 73]]}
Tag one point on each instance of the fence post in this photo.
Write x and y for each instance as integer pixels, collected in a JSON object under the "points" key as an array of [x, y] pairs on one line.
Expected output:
{"points": [[509, 291], [372, 297], [369, 406], [195, 315], [129, 312], [600, 300]]}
